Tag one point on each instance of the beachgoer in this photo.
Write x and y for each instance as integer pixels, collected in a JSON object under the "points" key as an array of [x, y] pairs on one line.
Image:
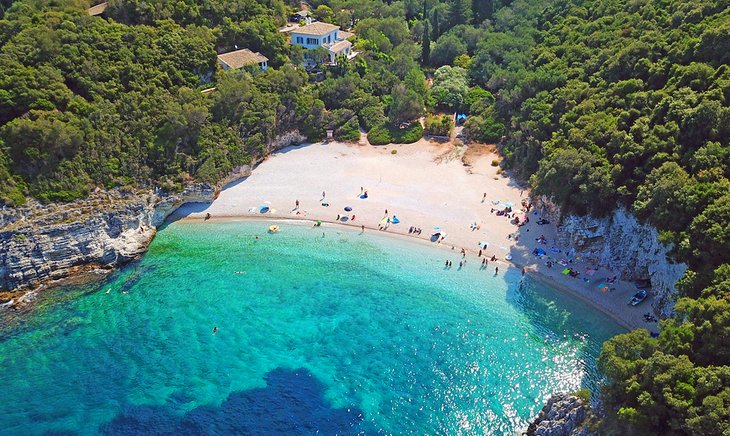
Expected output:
{"points": [[323, 195], [353, 218], [207, 216], [386, 211], [480, 253], [447, 263], [257, 238], [338, 217], [361, 190], [215, 330], [523, 271], [297, 204], [461, 264], [484, 197], [494, 258], [496, 270], [363, 228]]}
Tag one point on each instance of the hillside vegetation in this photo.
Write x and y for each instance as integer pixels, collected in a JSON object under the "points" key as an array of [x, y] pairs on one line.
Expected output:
{"points": [[600, 103]]}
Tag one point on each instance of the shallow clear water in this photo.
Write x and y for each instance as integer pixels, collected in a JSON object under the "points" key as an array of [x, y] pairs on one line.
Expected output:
{"points": [[344, 333]]}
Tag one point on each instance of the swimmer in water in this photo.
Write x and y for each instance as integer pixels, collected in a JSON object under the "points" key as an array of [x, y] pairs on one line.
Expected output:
{"points": [[215, 330]]}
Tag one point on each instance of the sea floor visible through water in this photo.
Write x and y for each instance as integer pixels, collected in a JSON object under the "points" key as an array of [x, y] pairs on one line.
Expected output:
{"points": [[319, 330]]}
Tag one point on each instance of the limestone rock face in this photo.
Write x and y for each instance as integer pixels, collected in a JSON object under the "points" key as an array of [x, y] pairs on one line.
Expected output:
{"points": [[632, 249], [108, 230], [563, 415], [41, 242]]}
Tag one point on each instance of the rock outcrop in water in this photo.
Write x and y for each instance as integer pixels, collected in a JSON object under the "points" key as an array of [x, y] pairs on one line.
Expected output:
{"points": [[621, 243], [563, 415], [41, 243]]}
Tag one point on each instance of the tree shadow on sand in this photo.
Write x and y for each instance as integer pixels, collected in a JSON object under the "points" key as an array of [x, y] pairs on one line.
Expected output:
{"points": [[291, 403]]}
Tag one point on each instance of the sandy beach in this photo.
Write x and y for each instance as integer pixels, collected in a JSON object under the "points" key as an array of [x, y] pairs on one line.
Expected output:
{"points": [[435, 187]]}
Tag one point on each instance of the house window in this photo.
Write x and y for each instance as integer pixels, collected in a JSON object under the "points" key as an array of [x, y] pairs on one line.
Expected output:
{"points": [[300, 40], [328, 39], [312, 41]]}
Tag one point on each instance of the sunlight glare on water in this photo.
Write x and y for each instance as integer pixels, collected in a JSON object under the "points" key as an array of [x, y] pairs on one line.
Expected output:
{"points": [[338, 334]]}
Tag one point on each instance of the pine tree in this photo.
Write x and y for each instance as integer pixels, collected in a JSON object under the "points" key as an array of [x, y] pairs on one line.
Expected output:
{"points": [[426, 47], [482, 10], [459, 12], [435, 22]]}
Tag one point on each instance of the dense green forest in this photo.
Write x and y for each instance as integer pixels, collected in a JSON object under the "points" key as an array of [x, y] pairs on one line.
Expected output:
{"points": [[600, 103]]}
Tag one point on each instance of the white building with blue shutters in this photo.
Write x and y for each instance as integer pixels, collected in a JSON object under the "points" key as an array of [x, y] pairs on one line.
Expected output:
{"points": [[328, 36]]}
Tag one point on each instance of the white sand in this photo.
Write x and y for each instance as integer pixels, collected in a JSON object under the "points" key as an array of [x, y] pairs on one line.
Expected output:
{"points": [[424, 185]]}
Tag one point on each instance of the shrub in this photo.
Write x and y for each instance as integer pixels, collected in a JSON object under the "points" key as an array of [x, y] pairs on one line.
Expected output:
{"points": [[379, 135], [495, 162], [484, 128], [372, 116], [350, 131], [394, 151], [410, 134], [583, 394], [439, 126]]}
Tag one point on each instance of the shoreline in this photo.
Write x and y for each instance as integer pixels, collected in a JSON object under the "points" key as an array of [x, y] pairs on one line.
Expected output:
{"points": [[533, 273], [439, 188], [456, 192]]}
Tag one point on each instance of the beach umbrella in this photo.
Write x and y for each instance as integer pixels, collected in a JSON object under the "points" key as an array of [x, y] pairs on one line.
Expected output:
{"points": [[348, 209]]}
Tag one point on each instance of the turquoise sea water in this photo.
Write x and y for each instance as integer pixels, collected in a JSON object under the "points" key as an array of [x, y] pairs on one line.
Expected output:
{"points": [[344, 333]]}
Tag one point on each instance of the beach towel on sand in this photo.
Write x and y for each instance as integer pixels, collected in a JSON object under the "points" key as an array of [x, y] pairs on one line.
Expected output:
{"points": [[566, 271]]}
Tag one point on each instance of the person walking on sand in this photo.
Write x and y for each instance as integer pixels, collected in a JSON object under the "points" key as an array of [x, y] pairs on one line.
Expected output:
{"points": [[484, 197], [363, 228], [296, 204], [323, 195], [496, 270]]}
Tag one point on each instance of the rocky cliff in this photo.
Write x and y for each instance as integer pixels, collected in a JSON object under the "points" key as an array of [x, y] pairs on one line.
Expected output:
{"points": [[41, 243], [623, 244], [563, 415]]}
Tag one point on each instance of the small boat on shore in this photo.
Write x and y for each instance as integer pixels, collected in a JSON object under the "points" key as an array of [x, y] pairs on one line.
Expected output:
{"points": [[638, 297]]}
